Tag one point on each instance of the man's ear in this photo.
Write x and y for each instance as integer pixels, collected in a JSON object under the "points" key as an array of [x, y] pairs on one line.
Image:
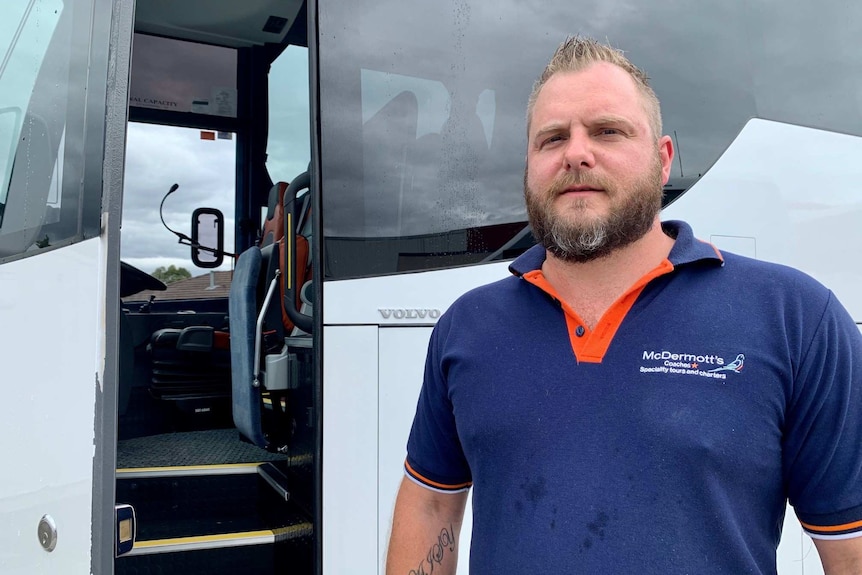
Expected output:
{"points": [[665, 152]]}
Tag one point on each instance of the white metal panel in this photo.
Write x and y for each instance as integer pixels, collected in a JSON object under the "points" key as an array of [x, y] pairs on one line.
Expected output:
{"points": [[797, 191], [350, 449], [360, 301], [402, 360], [50, 306], [742, 246]]}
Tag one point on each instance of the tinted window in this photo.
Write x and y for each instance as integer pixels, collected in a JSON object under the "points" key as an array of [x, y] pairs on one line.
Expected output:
{"points": [[288, 149], [43, 77], [422, 114], [183, 77]]}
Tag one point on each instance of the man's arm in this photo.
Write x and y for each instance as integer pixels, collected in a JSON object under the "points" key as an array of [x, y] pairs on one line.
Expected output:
{"points": [[425, 531], [840, 556]]}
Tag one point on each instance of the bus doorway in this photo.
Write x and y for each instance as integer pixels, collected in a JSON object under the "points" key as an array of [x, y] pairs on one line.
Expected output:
{"points": [[207, 496]]}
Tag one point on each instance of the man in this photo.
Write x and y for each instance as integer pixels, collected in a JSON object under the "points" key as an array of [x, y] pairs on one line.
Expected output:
{"points": [[632, 400]]}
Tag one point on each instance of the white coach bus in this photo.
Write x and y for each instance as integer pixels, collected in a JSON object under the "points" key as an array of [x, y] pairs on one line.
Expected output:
{"points": [[262, 428]]}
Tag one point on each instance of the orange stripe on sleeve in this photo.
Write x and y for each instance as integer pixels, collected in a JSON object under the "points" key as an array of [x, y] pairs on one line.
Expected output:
{"points": [[424, 479], [832, 528]]}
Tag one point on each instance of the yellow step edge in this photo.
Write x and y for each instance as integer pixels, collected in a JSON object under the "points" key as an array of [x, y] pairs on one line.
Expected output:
{"points": [[200, 542], [176, 470]]}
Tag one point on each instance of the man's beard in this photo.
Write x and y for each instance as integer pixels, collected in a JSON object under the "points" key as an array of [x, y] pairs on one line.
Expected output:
{"points": [[574, 236]]}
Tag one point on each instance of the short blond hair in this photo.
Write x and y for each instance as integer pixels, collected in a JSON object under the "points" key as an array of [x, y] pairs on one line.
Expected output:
{"points": [[577, 53]]}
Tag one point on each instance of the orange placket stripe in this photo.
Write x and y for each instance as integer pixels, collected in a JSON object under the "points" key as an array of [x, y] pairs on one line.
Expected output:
{"points": [[593, 344]]}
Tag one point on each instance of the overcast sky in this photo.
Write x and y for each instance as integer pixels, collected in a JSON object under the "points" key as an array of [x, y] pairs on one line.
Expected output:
{"points": [[156, 158], [159, 156]]}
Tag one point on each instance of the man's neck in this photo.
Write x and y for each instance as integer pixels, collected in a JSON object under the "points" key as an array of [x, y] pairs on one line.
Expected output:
{"points": [[591, 287]]}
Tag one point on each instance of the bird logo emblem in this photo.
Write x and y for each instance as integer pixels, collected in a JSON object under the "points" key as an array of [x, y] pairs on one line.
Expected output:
{"points": [[735, 365]]}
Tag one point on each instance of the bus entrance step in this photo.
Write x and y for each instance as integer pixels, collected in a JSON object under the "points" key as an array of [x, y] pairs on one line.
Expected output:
{"points": [[292, 556], [213, 519]]}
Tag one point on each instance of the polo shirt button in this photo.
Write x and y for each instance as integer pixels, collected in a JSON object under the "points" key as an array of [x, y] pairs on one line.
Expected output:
{"points": [[579, 331]]}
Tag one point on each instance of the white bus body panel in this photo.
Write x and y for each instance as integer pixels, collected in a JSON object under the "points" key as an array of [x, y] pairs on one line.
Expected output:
{"points": [[350, 449], [355, 302], [373, 370], [402, 362], [51, 350], [791, 195]]}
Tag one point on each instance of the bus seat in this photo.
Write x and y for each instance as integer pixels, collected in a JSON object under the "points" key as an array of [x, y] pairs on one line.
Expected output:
{"points": [[265, 361], [189, 364], [273, 225], [256, 342], [242, 305]]}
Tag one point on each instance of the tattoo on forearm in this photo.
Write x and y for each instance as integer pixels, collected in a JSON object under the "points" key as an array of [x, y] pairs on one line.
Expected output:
{"points": [[445, 540]]}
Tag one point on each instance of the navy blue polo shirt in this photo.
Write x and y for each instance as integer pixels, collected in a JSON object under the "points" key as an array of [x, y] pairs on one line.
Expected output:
{"points": [[666, 440]]}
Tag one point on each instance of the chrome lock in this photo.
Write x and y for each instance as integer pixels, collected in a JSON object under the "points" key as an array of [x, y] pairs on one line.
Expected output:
{"points": [[47, 532]]}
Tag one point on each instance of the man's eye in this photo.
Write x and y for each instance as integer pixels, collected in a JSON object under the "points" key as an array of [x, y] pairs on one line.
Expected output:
{"points": [[609, 132], [552, 140]]}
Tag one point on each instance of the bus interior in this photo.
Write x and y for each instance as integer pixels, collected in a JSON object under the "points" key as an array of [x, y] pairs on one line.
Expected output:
{"points": [[216, 422]]}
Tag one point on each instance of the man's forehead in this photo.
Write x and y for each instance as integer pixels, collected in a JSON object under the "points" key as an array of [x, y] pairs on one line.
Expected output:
{"points": [[600, 78], [601, 90]]}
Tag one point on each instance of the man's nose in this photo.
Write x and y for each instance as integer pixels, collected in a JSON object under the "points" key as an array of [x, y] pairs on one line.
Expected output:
{"points": [[579, 152]]}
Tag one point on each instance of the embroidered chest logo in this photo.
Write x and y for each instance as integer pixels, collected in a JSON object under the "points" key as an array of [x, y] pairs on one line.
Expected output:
{"points": [[708, 365]]}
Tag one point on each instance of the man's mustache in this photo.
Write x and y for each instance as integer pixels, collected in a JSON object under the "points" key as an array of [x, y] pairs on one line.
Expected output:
{"points": [[573, 179]]}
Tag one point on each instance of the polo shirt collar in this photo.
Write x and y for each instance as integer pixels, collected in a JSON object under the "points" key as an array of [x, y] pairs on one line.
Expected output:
{"points": [[686, 250]]}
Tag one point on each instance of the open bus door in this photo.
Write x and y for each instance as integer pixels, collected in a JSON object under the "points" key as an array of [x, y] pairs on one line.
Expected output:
{"points": [[60, 103]]}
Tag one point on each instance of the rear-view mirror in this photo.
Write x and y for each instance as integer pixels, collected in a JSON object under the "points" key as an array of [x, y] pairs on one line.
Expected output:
{"points": [[207, 237]]}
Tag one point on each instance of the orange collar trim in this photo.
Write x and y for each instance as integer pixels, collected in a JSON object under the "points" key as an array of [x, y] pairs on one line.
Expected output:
{"points": [[592, 344]]}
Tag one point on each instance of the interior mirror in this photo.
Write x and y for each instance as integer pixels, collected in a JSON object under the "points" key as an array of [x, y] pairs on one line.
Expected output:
{"points": [[207, 238]]}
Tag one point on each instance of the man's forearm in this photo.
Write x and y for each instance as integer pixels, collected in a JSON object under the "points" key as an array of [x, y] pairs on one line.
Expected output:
{"points": [[840, 556], [425, 532], [419, 557]]}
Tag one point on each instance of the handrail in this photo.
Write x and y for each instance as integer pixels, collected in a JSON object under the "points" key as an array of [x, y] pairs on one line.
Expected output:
{"points": [[258, 332], [299, 319]]}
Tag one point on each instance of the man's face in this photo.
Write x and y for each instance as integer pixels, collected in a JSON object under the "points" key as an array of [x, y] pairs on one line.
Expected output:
{"points": [[595, 171]]}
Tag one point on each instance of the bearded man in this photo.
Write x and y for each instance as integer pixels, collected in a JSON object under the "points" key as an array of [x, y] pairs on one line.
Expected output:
{"points": [[632, 400]]}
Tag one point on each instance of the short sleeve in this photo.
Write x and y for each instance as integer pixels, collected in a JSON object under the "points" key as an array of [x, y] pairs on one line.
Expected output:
{"points": [[823, 430], [435, 458]]}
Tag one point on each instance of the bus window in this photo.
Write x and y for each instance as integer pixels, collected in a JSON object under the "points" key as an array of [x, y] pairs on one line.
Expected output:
{"points": [[42, 101], [289, 146], [157, 157], [459, 198], [24, 38]]}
